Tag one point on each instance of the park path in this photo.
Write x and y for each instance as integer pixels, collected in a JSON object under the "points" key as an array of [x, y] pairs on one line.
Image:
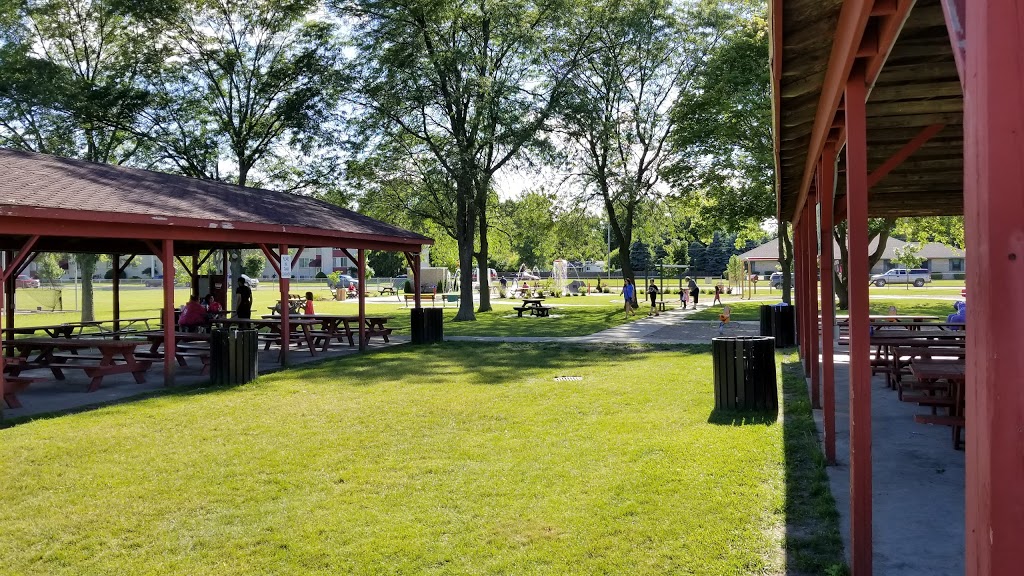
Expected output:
{"points": [[670, 327]]}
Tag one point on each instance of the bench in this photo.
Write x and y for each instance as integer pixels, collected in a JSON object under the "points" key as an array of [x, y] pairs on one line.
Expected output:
{"points": [[539, 311], [14, 385], [385, 290], [180, 354]]}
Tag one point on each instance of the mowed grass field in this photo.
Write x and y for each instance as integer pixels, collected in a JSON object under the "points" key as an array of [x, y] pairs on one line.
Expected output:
{"points": [[751, 310], [452, 459], [575, 316]]}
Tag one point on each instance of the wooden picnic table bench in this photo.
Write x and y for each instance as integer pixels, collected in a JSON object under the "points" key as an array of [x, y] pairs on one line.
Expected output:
{"points": [[389, 290], [302, 336], [955, 375], [115, 357], [535, 306]]}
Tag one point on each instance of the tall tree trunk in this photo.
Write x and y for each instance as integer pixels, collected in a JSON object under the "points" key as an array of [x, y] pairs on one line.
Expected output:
{"points": [[786, 262], [482, 256], [87, 267], [840, 279], [465, 232]]}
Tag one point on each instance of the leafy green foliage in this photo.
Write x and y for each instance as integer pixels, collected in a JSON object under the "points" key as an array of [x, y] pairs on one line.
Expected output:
{"points": [[722, 156], [948, 230], [253, 263], [48, 268]]}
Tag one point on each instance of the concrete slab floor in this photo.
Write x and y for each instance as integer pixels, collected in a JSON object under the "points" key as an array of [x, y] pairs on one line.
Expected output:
{"points": [[70, 395], [917, 489]]}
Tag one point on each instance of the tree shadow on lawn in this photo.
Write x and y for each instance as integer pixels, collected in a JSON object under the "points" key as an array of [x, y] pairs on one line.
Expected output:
{"points": [[813, 542]]}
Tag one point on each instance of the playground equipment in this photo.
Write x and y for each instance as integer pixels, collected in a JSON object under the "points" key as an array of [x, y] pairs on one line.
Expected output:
{"points": [[559, 271]]}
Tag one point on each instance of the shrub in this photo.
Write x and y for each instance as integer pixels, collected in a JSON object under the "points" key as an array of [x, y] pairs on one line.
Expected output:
{"points": [[109, 274], [959, 276], [408, 287], [321, 275], [606, 290]]}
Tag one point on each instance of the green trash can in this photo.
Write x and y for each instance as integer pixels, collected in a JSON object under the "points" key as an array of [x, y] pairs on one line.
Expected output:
{"points": [[744, 368], [234, 357]]}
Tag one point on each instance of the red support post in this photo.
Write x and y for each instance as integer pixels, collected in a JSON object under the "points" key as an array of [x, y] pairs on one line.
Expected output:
{"points": [[3, 310], [860, 349], [812, 302], [283, 284], [167, 257], [362, 299], [994, 221], [116, 286], [828, 306], [798, 288], [416, 274]]}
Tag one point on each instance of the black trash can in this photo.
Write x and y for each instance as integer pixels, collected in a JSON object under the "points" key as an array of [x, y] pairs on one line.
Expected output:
{"points": [[233, 357], [427, 325], [779, 322], [745, 373]]}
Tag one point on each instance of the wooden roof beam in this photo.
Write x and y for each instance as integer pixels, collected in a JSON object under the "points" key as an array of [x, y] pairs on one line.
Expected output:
{"points": [[847, 43], [956, 25]]}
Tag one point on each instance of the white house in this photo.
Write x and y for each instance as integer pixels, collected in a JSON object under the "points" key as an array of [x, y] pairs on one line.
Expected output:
{"points": [[940, 259]]}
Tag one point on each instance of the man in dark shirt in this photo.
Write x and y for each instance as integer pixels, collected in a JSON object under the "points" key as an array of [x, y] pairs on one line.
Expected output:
{"points": [[244, 308]]}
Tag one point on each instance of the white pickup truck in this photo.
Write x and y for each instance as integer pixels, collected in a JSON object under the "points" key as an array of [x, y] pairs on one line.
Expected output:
{"points": [[915, 276]]}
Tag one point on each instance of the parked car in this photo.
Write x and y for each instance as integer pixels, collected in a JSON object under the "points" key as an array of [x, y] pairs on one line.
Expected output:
{"points": [[344, 281], [252, 283], [775, 280], [159, 281], [24, 281], [915, 276]]}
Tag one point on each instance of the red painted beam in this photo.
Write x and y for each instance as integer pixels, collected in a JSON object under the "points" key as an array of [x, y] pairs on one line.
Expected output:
{"points": [[275, 262], [860, 361], [994, 222], [895, 160], [847, 43], [775, 56], [828, 307], [812, 303], [24, 253], [955, 12], [362, 299], [284, 283], [166, 255]]}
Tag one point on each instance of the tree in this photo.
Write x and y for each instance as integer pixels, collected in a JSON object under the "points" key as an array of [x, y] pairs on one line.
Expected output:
{"points": [[617, 113], [48, 268], [723, 166], [908, 256], [948, 230], [734, 270], [254, 83], [639, 256], [877, 228], [680, 253], [253, 263], [463, 87], [388, 264]]}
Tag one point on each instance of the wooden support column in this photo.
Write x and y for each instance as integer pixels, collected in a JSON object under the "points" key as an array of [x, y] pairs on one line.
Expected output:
{"points": [[417, 290], [167, 258], [812, 294], [362, 299], [283, 284], [4, 303], [9, 279], [828, 306], [994, 221], [860, 361], [115, 264], [798, 289]]}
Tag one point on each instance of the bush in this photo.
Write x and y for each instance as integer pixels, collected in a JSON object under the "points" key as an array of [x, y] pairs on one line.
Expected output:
{"points": [[606, 290], [408, 287], [320, 275], [109, 274], [937, 275], [959, 276]]}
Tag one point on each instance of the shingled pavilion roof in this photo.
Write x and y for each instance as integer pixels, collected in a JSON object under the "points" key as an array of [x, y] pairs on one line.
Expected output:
{"points": [[82, 206]]}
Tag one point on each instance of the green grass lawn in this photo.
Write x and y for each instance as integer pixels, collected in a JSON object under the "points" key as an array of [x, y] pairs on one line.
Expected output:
{"points": [[879, 305], [452, 459], [575, 316]]}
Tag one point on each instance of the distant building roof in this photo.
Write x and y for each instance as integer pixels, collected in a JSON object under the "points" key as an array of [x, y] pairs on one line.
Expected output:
{"points": [[930, 250]]}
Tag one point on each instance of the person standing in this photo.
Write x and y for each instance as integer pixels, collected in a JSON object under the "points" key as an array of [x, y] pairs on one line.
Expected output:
{"points": [[652, 292], [244, 294], [628, 294], [694, 291], [718, 295]]}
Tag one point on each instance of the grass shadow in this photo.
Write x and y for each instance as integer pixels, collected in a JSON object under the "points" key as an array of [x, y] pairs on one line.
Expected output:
{"points": [[743, 417], [813, 541]]}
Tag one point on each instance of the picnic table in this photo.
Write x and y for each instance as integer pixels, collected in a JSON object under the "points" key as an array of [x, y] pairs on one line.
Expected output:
{"points": [[65, 330], [115, 357], [273, 324], [199, 349], [390, 290], [535, 306], [955, 375], [338, 326]]}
